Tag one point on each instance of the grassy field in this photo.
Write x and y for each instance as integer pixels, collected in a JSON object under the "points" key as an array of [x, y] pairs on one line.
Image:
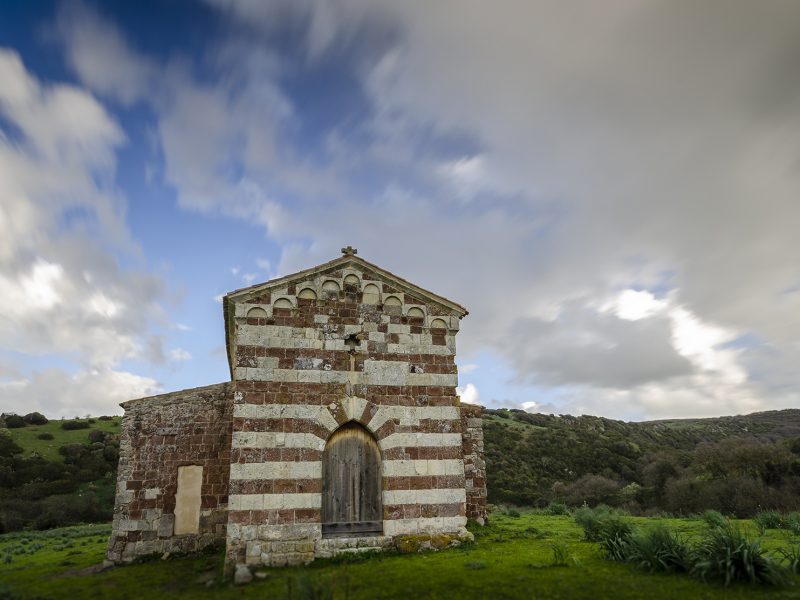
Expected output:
{"points": [[27, 437], [514, 557]]}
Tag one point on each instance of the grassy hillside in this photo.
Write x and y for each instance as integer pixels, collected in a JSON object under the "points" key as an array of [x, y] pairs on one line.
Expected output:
{"points": [[531, 555], [533, 459], [52, 476], [28, 437]]}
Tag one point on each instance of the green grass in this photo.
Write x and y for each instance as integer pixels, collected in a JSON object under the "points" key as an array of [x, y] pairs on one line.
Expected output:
{"points": [[26, 437], [530, 556]]}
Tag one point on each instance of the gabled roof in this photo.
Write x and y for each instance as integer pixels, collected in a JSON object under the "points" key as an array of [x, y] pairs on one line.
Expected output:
{"points": [[342, 261], [349, 258]]}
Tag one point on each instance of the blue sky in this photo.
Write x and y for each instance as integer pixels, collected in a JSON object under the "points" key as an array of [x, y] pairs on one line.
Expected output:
{"points": [[612, 191]]}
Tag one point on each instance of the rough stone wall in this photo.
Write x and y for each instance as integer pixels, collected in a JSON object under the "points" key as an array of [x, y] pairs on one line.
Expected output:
{"points": [[160, 434], [474, 464], [313, 355]]}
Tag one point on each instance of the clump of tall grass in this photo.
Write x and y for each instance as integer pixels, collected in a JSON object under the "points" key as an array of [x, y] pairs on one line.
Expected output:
{"points": [[769, 519], [793, 523], [659, 549], [791, 558], [714, 518], [606, 527], [724, 553], [729, 555], [602, 523]]}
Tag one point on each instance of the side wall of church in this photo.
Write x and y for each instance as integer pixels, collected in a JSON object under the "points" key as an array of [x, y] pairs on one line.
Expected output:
{"points": [[309, 357], [474, 464], [160, 436]]}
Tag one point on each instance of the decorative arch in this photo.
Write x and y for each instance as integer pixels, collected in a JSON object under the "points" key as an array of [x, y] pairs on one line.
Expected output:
{"points": [[283, 303], [392, 301], [330, 286], [438, 324], [256, 313], [415, 313], [351, 483], [307, 294], [372, 295]]}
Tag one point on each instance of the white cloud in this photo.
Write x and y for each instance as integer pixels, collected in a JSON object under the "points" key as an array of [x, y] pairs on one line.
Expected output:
{"points": [[633, 305], [62, 290], [179, 354], [700, 343], [56, 393], [467, 368], [469, 394], [101, 57]]}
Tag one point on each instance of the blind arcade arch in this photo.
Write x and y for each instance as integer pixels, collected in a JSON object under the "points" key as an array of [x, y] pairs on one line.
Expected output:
{"points": [[351, 488]]}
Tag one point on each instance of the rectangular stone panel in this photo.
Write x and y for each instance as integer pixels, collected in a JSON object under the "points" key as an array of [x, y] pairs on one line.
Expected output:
{"points": [[187, 499]]}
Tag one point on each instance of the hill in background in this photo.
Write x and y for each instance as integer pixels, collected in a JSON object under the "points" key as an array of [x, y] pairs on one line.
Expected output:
{"points": [[734, 464], [55, 473]]}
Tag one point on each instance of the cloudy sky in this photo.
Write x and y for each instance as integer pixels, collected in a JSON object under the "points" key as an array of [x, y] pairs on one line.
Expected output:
{"points": [[611, 188]]}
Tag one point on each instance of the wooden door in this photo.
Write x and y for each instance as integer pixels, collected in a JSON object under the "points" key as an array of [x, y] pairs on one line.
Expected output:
{"points": [[351, 483]]}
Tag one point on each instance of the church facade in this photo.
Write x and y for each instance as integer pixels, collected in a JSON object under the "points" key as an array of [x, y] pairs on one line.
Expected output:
{"points": [[340, 431]]}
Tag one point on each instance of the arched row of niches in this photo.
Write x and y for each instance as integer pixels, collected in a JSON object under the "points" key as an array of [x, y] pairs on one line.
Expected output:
{"points": [[369, 292], [411, 312]]}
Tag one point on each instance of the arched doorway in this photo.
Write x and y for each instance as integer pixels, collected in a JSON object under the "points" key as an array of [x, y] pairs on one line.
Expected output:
{"points": [[351, 483]]}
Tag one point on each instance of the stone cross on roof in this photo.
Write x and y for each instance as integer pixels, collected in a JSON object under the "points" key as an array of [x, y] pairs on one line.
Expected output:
{"points": [[349, 251]]}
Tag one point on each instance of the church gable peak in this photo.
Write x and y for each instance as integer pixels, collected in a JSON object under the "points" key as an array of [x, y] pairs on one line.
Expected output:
{"points": [[347, 275]]}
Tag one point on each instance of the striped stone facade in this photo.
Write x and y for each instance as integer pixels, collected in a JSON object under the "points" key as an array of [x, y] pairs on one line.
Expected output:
{"points": [[343, 342]]}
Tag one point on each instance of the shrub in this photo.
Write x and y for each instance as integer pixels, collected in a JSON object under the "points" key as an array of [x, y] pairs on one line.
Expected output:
{"points": [[45, 435], [592, 490], [512, 513], [769, 519], [556, 508], [95, 435], [659, 549], [714, 518], [8, 447], [35, 418], [72, 425], [729, 555], [14, 421], [793, 523], [105, 418]]}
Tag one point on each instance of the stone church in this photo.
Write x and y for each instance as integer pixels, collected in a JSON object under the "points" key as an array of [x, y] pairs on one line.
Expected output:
{"points": [[340, 431]]}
